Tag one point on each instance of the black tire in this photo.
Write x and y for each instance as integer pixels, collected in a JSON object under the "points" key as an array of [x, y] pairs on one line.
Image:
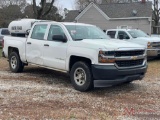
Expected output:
{"points": [[87, 83], [18, 67]]}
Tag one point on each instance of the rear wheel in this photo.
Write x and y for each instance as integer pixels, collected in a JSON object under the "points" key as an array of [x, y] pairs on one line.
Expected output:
{"points": [[81, 76], [15, 63]]}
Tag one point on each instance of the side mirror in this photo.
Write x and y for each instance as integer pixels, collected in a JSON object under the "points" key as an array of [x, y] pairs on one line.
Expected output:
{"points": [[121, 37], [127, 37], [60, 38], [27, 32]]}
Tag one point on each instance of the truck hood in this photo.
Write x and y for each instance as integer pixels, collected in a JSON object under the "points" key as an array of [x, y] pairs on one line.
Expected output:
{"points": [[149, 39], [106, 43]]}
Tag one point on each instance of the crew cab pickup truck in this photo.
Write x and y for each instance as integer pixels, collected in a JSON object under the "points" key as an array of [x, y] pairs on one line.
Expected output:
{"points": [[82, 50], [137, 36]]}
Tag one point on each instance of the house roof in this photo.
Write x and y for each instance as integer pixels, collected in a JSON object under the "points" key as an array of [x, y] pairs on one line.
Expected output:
{"points": [[123, 10], [72, 14], [119, 10]]}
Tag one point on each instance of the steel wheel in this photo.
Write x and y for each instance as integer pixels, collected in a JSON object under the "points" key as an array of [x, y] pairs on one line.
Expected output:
{"points": [[80, 76], [13, 62]]}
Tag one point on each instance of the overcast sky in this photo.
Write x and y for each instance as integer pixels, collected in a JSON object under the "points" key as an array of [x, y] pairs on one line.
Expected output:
{"points": [[69, 4]]}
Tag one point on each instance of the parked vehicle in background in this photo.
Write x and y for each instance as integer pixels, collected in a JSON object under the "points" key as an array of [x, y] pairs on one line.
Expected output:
{"points": [[3, 32], [137, 36], [82, 50], [155, 35]]}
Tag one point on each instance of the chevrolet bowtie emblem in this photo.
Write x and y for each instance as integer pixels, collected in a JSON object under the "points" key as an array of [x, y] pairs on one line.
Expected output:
{"points": [[134, 57]]}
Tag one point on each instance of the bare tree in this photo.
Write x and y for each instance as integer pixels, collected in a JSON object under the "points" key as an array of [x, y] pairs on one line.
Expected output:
{"points": [[4, 3], [156, 16], [81, 4], [9, 13], [42, 9], [61, 9]]}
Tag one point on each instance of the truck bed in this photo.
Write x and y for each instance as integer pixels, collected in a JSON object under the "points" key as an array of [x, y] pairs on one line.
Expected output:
{"points": [[15, 42]]}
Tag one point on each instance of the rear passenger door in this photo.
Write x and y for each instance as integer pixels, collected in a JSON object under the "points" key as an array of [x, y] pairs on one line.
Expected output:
{"points": [[35, 44]]}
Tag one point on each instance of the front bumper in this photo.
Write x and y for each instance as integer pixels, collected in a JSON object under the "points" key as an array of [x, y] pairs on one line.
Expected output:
{"points": [[108, 75], [153, 52]]}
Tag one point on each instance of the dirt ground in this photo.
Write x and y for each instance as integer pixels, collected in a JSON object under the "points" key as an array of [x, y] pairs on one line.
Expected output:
{"points": [[43, 94]]}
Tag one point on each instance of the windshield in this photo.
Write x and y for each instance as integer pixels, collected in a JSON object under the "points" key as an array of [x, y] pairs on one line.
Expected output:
{"points": [[80, 32], [137, 33]]}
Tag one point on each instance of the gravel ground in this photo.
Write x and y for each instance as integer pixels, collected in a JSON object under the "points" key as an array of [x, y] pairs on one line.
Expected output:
{"points": [[43, 94]]}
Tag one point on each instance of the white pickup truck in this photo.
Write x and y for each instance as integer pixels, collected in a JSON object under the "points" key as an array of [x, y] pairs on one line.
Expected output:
{"points": [[82, 50], [137, 36]]}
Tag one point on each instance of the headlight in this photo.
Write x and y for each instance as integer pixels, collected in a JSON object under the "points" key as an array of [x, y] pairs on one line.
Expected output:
{"points": [[149, 45], [106, 56]]}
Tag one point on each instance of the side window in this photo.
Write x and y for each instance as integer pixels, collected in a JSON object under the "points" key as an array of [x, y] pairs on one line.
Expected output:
{"points": [[55, 30], [5, 32], [111, 34], [39, 32], [122, 35]]}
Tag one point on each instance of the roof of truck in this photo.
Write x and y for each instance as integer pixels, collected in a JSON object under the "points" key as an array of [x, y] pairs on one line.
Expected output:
{"points": [[64, 23], [121, 29], [73, 23]]}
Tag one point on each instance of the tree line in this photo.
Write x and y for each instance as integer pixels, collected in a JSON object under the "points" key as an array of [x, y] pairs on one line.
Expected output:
{"points": [[17, 9]]}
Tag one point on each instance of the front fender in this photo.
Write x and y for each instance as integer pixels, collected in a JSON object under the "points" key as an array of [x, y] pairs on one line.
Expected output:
{"points": [[91, 54]]}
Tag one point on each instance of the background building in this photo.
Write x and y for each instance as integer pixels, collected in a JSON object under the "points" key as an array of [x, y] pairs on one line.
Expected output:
{"points": [[136, 15]]}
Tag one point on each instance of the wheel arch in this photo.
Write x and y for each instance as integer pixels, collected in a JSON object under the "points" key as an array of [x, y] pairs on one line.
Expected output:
{"points": [[73, 59], [12, 49]]}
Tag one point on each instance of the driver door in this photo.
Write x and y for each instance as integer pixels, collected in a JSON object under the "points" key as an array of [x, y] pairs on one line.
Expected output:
{"points": [[55, 51]]}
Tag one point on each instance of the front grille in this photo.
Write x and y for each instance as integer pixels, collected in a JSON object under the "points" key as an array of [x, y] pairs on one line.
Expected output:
{"points": [[129, 53], [156, 44], [129, 63]]}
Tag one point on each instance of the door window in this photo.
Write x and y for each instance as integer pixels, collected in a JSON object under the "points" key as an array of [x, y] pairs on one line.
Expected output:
{"points": [[111, 34], [55, 30], [123, 35], [39, 32]]}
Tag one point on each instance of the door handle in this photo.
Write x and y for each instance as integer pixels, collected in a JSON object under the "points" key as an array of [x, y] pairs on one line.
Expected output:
{"points": [[46, 45], [29, 43]]}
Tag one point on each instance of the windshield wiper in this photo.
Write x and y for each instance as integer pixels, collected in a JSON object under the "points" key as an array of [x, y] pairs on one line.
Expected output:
{"points": [[78, 39], [100, 38]]}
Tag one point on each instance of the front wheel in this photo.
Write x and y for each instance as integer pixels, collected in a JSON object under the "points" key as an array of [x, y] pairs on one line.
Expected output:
{"points": [[81, 76], [15, 63]]}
